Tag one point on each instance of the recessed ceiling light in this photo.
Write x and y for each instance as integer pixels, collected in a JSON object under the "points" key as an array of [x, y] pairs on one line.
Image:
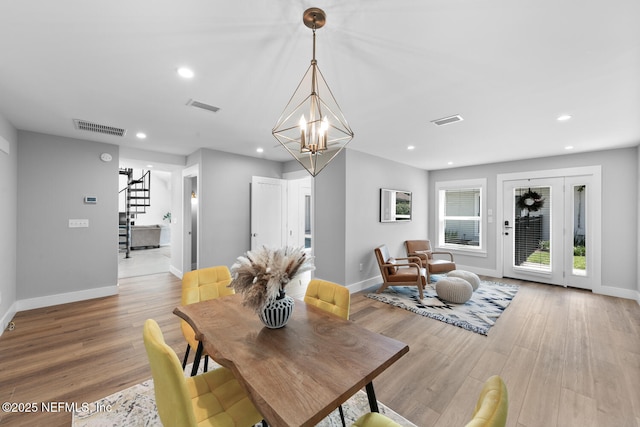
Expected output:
{"points": [[185, 72], [449, 163], [149, 166], [260, 150], [563, 118], [411, 147], [141, 135], [569, 147]]}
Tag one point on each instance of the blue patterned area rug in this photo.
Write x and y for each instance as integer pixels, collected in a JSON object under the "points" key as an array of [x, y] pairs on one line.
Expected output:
{"points": [[478, 314], [136, 407]]}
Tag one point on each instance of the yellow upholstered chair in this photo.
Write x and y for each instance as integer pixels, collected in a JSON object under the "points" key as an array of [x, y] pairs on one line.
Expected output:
{"points": [[434, 265], [490, 411], [374, 419], [201, 285], [493, 405], [214, 398], [400, 271], [329, 296]]}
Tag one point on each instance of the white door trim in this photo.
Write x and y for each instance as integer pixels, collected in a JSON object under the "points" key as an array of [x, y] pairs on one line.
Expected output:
{"points": [[187, 174]]}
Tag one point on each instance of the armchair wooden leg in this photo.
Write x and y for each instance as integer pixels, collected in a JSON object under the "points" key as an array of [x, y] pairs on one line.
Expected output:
{"points": [[382, 288]]}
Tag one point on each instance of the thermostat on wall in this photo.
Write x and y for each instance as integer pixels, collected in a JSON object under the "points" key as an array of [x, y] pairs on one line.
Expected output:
{"points": [[90, 200]]}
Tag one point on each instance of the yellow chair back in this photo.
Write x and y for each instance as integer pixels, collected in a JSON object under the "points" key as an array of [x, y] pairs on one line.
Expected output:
{"points": [[493, 405], [329, 296], [202, 285], [214, 399], [172, 395]]}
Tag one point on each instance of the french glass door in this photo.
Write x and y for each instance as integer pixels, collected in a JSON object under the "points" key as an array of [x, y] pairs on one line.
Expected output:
{"points": [[533, 230], [547, 231]]}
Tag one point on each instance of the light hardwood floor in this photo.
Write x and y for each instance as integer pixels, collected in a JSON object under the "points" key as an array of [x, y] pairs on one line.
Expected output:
{"points": [[568, 357]]}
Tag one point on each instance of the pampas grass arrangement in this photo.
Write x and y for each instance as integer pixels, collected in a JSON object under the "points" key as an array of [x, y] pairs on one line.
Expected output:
{"points": [[262, 274]]}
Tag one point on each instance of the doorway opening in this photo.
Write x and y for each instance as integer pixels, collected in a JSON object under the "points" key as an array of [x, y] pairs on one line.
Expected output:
{"points": [[144, 206]]}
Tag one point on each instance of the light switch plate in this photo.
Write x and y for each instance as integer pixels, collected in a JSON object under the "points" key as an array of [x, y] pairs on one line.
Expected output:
{"points": [[78, 223]]}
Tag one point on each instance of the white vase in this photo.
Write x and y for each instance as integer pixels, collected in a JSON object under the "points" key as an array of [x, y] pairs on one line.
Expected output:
{"points": [[277, 312]]}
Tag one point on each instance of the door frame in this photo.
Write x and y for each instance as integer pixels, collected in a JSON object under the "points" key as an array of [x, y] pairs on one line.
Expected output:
{"points": [[594, 211], [187, 175]]}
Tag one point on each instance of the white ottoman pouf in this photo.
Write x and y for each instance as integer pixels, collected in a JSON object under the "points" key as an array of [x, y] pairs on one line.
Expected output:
{"points": [[454, 289], [470, 277]]}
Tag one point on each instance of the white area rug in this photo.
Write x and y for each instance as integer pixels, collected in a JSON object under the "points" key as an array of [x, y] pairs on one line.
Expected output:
{"points": [[136, 406], [478, 314]]}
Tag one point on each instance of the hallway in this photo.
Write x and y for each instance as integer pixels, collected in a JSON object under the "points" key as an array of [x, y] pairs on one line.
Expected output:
{"points": [[142, 262]]}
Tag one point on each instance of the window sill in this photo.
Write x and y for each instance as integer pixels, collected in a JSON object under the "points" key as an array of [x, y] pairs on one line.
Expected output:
{"points": [[461, 251]]}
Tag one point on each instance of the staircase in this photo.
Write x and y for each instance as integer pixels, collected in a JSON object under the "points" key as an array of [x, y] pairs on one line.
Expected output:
{"points": [[137, 200]]}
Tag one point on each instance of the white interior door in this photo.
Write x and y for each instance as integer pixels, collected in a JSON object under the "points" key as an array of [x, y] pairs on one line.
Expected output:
{"points": [[268, 212], [533, 230]]}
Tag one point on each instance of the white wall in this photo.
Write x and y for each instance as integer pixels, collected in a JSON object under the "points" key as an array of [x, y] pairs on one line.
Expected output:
{"points": [[347, 216], [224, 198], [56, 263], [329, 235], [8, 220], [619, 208], [366, 175]]}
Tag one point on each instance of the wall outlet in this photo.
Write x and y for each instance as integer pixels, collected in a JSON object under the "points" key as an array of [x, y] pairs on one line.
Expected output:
{"points": [[78, 223]]}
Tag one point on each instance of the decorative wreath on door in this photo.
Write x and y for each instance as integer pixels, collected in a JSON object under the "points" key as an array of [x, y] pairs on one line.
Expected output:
{"points": [[531, 201]]}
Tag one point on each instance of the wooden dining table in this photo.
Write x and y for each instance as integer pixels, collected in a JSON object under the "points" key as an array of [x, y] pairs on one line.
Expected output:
{"points": [[300, 373]]}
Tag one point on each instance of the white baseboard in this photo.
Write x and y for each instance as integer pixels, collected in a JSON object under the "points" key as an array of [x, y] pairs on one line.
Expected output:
{"points": [[49, 300], [358, 286], [175, 272], [619, 293], [4, 322]]}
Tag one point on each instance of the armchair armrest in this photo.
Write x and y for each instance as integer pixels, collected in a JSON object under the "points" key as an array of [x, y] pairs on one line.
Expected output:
{"points": [[404, 264], [421, 255], [444, 253], [411, 258]]}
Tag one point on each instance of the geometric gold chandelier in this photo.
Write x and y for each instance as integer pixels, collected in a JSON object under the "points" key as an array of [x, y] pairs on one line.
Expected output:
{"points": [[312, 127]]}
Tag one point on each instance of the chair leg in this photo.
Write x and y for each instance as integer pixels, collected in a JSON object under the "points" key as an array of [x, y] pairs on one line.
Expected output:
{"points": [[206, 362], [342, 416], [264, 423], [186, 355], [196, 360]]}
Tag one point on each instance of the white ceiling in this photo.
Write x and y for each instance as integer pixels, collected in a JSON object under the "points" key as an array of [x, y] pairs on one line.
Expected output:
{"points": [[508, 67]]}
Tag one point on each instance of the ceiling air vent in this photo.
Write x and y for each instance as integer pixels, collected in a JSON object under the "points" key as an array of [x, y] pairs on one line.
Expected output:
{"points": [[198, 104], [98, 128], [447, 120]]}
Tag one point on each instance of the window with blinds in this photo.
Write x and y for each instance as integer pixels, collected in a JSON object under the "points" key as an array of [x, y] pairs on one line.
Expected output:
{"points": [[462, 216], [462, 221]]}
